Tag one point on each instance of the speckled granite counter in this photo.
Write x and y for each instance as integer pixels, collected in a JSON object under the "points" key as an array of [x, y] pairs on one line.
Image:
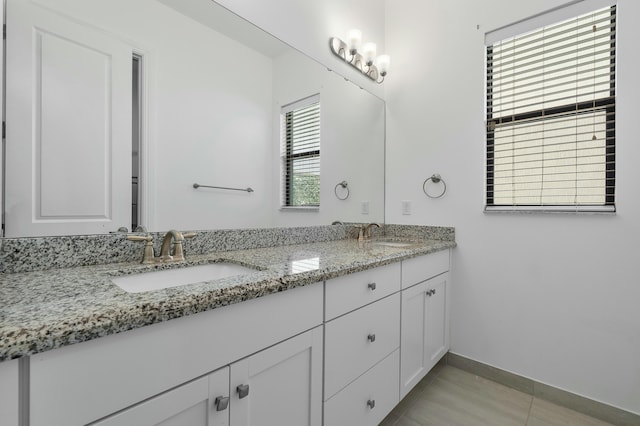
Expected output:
{"points": [[44, 310]]}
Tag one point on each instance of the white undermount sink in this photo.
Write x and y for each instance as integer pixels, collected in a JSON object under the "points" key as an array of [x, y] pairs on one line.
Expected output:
{"points": [[157, 280], [396, 244]]}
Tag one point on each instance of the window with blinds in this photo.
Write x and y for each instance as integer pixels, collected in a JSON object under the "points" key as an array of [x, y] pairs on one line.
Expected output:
{"points": [[300, 124], [551, 117]]}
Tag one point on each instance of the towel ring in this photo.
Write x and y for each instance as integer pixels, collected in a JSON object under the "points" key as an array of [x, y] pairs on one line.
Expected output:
{"points": [[345, 185], [435, 178]]}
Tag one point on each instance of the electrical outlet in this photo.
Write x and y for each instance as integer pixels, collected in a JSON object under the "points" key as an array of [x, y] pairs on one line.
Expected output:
{"points": [[406, 207], [364, 207]]}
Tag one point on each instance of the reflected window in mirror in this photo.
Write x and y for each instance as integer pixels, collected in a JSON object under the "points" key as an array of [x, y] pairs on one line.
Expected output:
{"points": [[135, 141], [300, 153]]}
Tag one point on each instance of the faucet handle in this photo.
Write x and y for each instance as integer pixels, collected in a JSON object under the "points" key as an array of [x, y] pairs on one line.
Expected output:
{"points": [[139, 238], [149, 255], [360, 229], [178, 253]]}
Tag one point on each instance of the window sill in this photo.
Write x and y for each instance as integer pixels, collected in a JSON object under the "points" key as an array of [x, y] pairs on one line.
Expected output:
{"points": [[551, 209], [309, 209]]}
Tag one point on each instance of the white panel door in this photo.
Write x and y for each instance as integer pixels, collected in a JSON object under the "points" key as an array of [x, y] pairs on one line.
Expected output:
{"points": [[68, 113], [424, 333], [437, 343], [413, 336], [9, 393], [281, 385], [192, 404]]}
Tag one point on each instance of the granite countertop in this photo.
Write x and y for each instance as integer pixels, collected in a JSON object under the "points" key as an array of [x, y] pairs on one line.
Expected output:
{"points": [[44, 310]]}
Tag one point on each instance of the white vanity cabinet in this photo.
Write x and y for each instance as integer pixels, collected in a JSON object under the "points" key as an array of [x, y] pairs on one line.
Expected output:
{"points": [[280, 385], [362, 339], [425, 316], [265, 342], [9, 392], [345, 351], [194, 403]]}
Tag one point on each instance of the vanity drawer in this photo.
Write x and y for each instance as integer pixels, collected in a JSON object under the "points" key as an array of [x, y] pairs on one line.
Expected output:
{"points": [[369, 399], [422, 268], [344, 294], [356, 342]]}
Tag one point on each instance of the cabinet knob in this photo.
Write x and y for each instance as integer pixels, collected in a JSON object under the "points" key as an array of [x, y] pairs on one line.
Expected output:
{"points": [[243, 390], [371, 403], [371, 337], [371, 286], [222, 402], [433, 291]]}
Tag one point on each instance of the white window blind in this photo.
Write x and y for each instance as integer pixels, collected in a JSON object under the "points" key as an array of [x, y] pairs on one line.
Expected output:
{"points": [[300, 153], [551, 117]]}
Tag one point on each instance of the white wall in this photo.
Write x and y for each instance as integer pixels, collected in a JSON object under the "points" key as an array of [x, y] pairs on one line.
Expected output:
{"points": [[551, 297], [2, 54], [308, 25]]}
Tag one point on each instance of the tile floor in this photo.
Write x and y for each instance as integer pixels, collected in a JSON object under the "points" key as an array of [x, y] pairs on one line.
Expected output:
{"points": [[448, 396]]}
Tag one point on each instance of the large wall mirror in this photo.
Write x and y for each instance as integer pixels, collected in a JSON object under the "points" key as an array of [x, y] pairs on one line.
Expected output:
{"points": [[115, 109]]}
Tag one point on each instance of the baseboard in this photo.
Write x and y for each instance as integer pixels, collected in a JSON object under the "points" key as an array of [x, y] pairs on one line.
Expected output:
{"points": [[557, 396]]}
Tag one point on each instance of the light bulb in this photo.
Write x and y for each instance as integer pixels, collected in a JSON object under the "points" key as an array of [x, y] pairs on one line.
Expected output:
{"points": [[354, 38], [369, 53], [383, 62]]}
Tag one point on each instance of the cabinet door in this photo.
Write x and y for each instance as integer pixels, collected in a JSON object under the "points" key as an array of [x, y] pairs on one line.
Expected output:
{"points": [[413, 335], [437, 319], [281, 385], [424, 330], [192, 404], [68, 96], [9, 391]]}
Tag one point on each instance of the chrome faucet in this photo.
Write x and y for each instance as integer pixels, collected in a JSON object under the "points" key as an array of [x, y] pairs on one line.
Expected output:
{"points": [[166, 254], [364, 232]]}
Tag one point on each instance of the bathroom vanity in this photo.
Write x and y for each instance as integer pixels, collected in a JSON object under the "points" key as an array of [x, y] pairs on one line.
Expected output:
{"points": [[325, 333]]}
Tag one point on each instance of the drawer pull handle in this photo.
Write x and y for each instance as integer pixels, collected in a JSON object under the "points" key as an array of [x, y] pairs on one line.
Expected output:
{"points": [[243, 390], [371, 286], [371, 403], [371, 337], [222, 402]]}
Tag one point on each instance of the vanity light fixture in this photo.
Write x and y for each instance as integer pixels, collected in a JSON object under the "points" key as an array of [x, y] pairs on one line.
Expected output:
{"points": [[364, 60]]}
